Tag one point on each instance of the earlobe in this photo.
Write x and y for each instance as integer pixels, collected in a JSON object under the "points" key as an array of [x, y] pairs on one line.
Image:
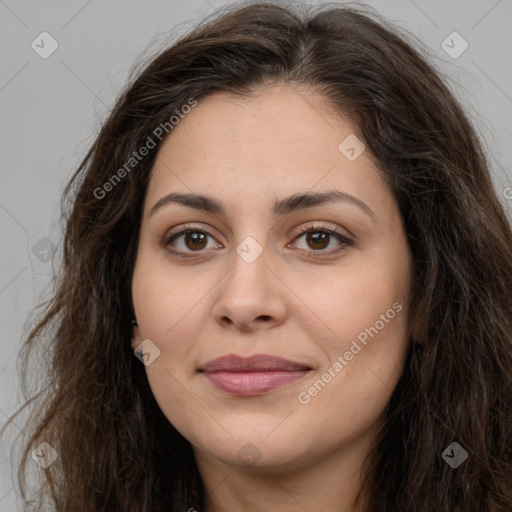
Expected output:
{"points": [[136, 337]]}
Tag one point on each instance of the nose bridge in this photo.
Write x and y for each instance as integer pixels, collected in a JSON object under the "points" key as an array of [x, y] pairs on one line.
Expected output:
{"points": [[250, 259], [248, 292]]}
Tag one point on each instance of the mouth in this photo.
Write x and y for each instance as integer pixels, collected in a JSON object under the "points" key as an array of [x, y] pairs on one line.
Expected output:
{"points": [[254, 375]]}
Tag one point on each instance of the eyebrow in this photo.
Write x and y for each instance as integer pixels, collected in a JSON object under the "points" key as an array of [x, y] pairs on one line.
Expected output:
{"points": [[284, 206]]}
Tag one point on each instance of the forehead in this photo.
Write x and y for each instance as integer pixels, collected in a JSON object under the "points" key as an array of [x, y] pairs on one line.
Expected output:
{"points": [[256, 125], [278, 141]]}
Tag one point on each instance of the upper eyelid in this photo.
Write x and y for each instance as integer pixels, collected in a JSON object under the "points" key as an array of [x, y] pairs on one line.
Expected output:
{"points": [[188, 227], [319, 225]]}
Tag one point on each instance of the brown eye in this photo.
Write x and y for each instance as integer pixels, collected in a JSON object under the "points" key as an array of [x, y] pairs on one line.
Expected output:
{"points": [[318, 239], [190, 241], [195, 240]]}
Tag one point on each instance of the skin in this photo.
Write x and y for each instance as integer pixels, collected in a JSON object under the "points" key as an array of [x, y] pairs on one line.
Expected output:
{"points": [[248, 153]]}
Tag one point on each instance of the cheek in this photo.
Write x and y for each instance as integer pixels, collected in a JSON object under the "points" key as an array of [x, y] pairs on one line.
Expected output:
{"points": [[363, 312], [352, 301], [364, 366], [165, 300], [164, 305]]}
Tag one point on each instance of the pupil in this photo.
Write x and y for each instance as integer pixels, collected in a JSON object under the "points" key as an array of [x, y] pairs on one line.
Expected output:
{"points": [[318, 238], [196, 238]]}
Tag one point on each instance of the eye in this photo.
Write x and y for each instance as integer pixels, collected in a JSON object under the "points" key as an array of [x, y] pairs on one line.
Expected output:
{"points": [[319, 237], [194, 240]]}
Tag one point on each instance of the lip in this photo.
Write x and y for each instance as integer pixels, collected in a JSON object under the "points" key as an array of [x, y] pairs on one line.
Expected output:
{"points": [[252, 375], [254, 363]]}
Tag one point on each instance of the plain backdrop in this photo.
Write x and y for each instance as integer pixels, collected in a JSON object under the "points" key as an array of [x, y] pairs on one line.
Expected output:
{"points": [[52, 105]]}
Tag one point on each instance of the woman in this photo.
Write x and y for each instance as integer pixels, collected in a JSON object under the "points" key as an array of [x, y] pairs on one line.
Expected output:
{"points": [[286, 285]]}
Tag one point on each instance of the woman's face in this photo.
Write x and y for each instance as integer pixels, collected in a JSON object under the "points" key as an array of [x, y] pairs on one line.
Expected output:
{"points": [[245, 281]]}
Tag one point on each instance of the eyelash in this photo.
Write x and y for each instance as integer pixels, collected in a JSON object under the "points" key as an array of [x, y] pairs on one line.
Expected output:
{"points": [[345, 242]]}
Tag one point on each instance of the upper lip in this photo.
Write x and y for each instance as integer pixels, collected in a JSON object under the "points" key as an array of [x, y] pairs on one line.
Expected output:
{"points": [[254, 363]]}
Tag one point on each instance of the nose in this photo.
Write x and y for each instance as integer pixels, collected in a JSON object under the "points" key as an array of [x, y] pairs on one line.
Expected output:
{"points": [[250, 297]]}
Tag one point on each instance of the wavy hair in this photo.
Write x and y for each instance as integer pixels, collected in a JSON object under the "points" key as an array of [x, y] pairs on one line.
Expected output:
{"points": [[96, 408]]}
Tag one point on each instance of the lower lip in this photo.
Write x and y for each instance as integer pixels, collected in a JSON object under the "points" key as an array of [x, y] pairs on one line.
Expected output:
{"points": [[252, 383]]}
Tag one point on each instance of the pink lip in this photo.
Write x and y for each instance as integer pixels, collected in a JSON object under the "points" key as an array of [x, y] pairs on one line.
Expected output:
{"points": [[253, 375]]}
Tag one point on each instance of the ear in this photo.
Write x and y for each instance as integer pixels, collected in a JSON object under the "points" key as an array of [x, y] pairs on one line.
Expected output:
{"points": [[136, 337]]}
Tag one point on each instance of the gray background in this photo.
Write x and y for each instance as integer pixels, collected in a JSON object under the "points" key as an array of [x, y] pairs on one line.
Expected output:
{"points": [[51, 109]]}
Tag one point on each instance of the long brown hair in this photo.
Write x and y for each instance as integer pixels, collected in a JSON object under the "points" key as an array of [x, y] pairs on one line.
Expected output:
{"points": [[117, 451]]}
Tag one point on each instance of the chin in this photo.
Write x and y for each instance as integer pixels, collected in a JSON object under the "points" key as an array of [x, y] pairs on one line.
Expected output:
{"points": [[257, 451]]}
